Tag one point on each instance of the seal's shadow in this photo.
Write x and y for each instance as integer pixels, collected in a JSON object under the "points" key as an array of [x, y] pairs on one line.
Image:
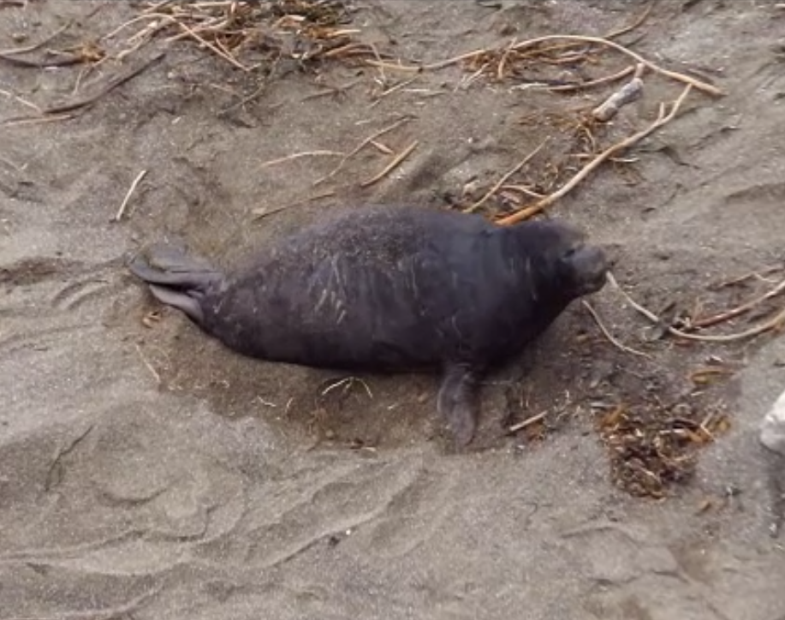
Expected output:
{"points": [[369, 411]]}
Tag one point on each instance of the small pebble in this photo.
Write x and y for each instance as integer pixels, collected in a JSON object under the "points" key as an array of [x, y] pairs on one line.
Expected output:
{"points": [[772, 428]]}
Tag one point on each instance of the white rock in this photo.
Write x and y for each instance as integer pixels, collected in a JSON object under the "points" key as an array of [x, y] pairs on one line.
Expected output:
{"points": [[772, 429]]}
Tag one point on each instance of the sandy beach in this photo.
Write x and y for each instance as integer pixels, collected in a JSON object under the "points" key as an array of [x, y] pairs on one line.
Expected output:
{"points": [[148, 472]]}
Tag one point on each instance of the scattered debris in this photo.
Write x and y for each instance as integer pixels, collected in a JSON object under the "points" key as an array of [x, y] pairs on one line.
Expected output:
{"points": [[253, 35], [652, 448]]}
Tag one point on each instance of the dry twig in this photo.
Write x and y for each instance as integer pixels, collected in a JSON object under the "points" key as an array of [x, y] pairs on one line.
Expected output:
{"points": [[628, 93], [635, 24], [590, 84], [148, 365], [258, 214], [21, 100], [527, 422], [104, 90], [758, 275], [35, 120], [608, 335], [504, 179], [379, 64], [392, 165], [392, 89], [31, 48], [128, 194], [41, 64]]}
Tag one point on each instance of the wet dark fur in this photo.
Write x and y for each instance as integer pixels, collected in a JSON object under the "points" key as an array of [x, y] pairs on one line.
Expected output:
{"points": [[390, 289]]}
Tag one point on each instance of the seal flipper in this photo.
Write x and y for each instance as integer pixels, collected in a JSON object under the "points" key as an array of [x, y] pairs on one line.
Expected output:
{"points": [[457, 402], [180, 300], [171, 265], [175, 278]]}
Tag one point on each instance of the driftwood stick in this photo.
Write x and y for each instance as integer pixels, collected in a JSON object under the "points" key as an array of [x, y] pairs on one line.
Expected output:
{"points": [[628, 93]]}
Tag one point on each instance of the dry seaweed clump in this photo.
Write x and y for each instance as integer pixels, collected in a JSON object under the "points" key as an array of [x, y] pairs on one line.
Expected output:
{"points": [[652, 449], [253, 34]]}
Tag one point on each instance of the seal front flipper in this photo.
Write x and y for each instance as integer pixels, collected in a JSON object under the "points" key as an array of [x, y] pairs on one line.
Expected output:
{"points": [[175, 278], [458, 402]]}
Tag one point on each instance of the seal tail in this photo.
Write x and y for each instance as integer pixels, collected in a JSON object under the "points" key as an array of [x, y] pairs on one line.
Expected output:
{"points": [[175, 278]]}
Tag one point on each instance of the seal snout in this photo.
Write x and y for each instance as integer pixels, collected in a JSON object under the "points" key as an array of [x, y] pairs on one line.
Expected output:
{"points": [[590, 265]]}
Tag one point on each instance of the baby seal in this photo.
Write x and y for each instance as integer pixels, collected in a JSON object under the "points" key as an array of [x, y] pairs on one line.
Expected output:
{"points": [[389, 289]]}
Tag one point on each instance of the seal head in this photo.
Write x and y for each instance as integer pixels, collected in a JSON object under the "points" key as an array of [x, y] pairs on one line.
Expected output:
{"points": [[581, 269]]}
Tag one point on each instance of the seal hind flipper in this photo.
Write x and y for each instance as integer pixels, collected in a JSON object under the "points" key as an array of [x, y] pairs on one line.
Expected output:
{"points": [[175, 278], [457, 402], [180, 300], [171, 265]]}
